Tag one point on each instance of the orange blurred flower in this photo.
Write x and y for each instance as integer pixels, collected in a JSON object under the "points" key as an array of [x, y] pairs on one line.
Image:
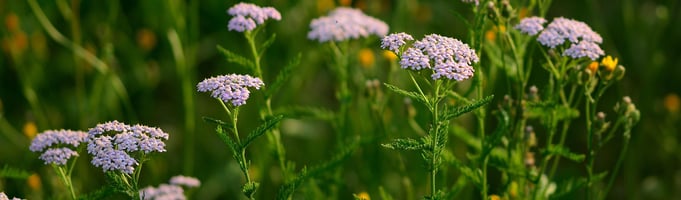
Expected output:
{"points": [[30, 129], [366, 58], [33, 182], [146, 39], [672, 103]]}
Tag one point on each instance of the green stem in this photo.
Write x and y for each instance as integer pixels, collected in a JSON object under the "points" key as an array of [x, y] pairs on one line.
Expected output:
{"points": [[589, 166], [184, 72], [434, 137], [623, 154], [66, 178]]}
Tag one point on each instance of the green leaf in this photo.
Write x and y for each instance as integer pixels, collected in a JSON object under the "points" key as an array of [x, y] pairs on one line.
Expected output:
{"points": [[283, 76], [267, 44], [249, 188], [269, 124], [501, 130], [309, 112], [564, 152], [289, 187], [101, 193], [227, 140], [568, 186], [412, 95], [405, 144], [236, 58], [458, 111], [384, 194], [474, 175], [10, 172], [545, 111]]}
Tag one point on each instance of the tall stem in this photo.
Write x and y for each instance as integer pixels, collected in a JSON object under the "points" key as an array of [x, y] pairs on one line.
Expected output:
{"points": [[275, 137], [65, 176]]}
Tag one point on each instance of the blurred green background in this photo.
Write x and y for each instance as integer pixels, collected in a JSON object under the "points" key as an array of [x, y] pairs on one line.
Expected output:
{"points": [[43, 85]]}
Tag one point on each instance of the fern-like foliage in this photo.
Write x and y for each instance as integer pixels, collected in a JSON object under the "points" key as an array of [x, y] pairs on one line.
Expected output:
{"points": [[236, 58], [283, 76], [287, 190], [11, 172], [262, 129]]}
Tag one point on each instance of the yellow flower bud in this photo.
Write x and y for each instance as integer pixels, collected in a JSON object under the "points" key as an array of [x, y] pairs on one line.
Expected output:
{"points": [[494, 197], [363, 196], [593, 67], [389, 55], [609, 63], [366, 58], [30, 129]]}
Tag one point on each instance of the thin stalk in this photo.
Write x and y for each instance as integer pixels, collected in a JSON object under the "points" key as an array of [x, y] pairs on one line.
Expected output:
{"points": [[589, 166], [275, 137], [623, 154], [184, 73], [78, 50], [434, 138], [67, 180]]}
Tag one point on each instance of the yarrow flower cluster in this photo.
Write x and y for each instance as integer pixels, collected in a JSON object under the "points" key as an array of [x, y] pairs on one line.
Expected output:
{"points": [[531, 25], [345, 23], [448, 57], [394, 41], [109, 144], [170, 191], [248, 16], [584, 41], [3, 196], [185, 181], [230, 88], [55, 145]]}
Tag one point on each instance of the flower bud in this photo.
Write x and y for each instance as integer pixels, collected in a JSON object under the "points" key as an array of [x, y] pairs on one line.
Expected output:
{"points": [[619, 72]]}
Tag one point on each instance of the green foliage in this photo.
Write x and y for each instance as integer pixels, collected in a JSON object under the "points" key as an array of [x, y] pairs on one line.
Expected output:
{"points": [[406, 144], [262, 129], [249, 188], [458, 111], [412, 95], [564, 152], [545, 111], [267, 44], [283, 76], [286, 190], [236, 58], [11, 172], [308, 112], [101, 193]]}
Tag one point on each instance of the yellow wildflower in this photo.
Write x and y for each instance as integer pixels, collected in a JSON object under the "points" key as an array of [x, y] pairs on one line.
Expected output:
{"points": [[366, 58], [33, 182], [363, 196], [494, 197], [389, 55], [609, 63], [490, 35], [672, 103], [30, 129]]}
